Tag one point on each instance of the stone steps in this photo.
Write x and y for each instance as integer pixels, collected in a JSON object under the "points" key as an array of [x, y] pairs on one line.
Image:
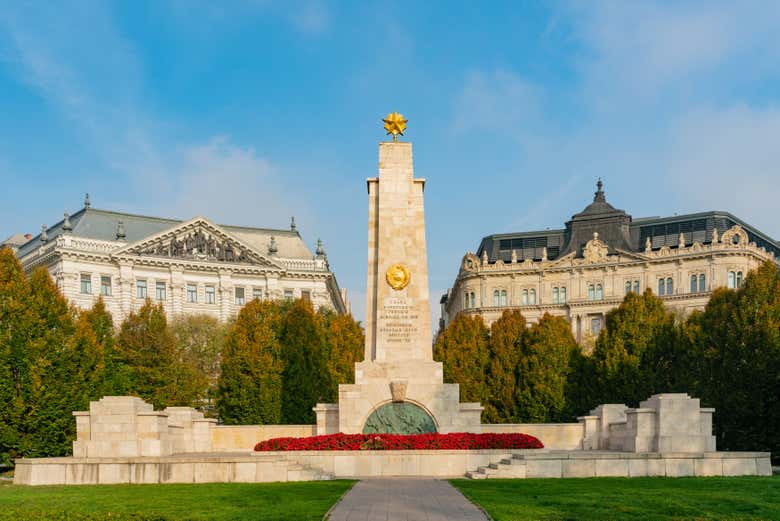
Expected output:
{"points": [[506, 468], [298, 472]]}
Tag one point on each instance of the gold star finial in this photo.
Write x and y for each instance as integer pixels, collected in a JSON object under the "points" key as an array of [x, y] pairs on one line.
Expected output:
{"points": [[395, 124]]}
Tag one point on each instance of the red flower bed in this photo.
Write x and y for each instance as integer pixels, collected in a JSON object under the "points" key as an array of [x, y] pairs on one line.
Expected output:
{"points": [[456, 440]]}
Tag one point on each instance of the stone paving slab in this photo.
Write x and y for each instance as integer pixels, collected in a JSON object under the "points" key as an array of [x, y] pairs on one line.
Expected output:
{"points": [[405, 500]]}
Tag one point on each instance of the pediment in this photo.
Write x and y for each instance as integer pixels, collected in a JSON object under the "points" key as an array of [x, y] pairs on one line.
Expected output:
{"points": [[198, 240]]}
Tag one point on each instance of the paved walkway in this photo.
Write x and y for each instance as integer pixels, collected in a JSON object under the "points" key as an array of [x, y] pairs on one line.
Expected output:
{"points": [[405, 500]]}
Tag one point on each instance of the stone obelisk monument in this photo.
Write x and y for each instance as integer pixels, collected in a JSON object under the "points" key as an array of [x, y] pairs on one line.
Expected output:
{"points": [[398, 386]]}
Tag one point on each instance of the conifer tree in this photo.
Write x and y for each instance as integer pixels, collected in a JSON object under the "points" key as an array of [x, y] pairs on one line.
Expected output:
{"points": [[15, 329], [249, 389], [543, 370], [305, 377], [146, 348], [632, 350], [505, 345], [199, 340], [463, 349], [345, 346], [101, 323]]}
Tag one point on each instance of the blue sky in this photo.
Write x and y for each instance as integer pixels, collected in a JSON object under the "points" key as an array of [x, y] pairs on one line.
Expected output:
{"points": [[250, 112]]}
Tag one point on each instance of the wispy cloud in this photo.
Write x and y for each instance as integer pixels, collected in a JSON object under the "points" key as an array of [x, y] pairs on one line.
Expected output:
{"points": [[87, 70]]}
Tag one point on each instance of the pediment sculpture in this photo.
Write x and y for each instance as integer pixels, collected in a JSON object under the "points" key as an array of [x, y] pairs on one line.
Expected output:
{"points": [[595, 250], [200, 243]]}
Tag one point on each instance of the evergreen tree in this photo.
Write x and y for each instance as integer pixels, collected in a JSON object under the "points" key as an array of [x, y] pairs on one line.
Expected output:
{"points": [[147, 350], [463, 349], [543, 370], [101, 323], [199, 340], [506, 338], [249, 389], [345, 346], [15, 329], [305, 377], [632, 352]]}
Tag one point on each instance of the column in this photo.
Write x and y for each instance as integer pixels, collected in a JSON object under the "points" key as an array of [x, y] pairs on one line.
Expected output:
{"points": [[225, 295], [177, 291]]}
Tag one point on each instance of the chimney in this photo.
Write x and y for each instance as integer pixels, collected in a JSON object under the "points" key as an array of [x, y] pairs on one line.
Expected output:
{"points": [[28, 236]]}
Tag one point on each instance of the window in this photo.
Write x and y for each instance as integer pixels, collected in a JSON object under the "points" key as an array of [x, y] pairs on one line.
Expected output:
{"points": [[288, 294], [211, 295], [694, 283], [563, 295], [595, 325], [599, 292], [669, 286], [105, 286], [591, 292], [739, 279], [732, 280], [473, 300], [532, 296], [140, 288], [160, 291], [257, 293], [524, 299], [661, 287], [306, 295], [192, 293], [240, 296], [702, 283], [503, 297], [556, 295], [636, 286], [628, 287], [466, 301], [86, 283], [495, 297]]}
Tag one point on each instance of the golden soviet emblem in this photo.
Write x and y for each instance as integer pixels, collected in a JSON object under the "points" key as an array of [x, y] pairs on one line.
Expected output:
{"points": [[395, 124], [398, 276]]}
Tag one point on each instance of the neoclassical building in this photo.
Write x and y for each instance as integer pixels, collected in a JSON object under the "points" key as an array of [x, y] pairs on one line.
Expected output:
{"points": [[193, 266], [585, 269]]}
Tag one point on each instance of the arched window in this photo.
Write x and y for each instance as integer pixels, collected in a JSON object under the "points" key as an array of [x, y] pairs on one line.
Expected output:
{"points": [[555, 295], [739, 279], [503, 297], [694, 283], [702, 283], [661, 287], [628, 287], [636, 286], [591, 292], [524, 300], [563, 295], [495, 297], [599, 292], [669, 286], [533, 296], [466, 304], [732, 280], [473, 300]]}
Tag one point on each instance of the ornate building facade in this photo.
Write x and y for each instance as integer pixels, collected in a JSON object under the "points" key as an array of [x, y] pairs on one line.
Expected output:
{"points": [[192, 266], [584, 270]]}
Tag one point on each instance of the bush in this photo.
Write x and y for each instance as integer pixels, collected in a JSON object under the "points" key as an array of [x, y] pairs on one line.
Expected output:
{"points": [[434, 441]]}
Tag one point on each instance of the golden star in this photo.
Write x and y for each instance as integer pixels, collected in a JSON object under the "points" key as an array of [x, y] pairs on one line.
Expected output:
{"points": [[395, 124]]}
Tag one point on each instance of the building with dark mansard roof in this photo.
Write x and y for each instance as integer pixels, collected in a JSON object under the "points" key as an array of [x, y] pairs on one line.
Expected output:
{"points": [[586, 268], [193, 266]]}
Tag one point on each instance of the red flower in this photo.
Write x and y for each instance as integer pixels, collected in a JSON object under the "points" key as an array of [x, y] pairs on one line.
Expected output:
{"points": [[435, 441]]}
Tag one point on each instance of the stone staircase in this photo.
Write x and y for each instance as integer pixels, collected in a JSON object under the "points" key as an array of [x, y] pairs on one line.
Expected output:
{"points": [[298, 472], [512, 466]]}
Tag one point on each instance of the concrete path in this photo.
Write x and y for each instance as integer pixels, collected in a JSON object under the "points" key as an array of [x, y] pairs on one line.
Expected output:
{"points": [[404, 499]]}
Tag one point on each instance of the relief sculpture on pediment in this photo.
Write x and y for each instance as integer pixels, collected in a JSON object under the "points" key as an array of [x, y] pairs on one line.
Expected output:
{"points": [[200, 245]]}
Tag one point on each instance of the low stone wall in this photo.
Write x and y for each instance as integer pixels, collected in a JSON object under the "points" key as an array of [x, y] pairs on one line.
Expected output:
{"points": [[232, 438], [315, 465], [554, 436]]}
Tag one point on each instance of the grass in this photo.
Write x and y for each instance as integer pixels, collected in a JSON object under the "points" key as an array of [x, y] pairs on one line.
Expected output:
{"points": [[743, 498], [214, 501]]}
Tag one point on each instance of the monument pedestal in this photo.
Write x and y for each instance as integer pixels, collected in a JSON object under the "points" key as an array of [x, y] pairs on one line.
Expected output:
{"points": [[398, 387]]}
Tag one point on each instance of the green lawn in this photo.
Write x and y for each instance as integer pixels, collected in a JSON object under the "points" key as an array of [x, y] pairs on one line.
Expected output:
{"points": [[626, 498], [218, 501]]}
